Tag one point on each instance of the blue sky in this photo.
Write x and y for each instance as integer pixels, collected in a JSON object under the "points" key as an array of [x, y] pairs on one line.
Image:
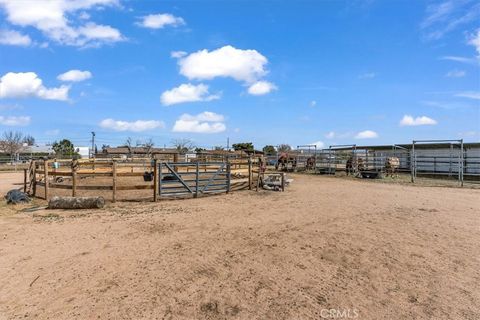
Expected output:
{"points": [[270, 72]]}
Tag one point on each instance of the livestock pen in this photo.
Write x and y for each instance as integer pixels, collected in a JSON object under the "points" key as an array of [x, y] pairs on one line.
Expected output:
{"points": [[136, 179]]}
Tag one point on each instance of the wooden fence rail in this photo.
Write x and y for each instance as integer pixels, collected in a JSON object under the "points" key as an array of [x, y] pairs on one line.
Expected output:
{"points": [[104, 176]]}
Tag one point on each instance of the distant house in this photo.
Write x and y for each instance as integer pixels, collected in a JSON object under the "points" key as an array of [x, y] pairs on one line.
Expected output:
{"points": [[84, 152]]}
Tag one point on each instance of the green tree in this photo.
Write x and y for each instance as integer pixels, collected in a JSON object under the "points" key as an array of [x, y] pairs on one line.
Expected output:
{"points": [[64, 148], [245, 146], [269, 149]]}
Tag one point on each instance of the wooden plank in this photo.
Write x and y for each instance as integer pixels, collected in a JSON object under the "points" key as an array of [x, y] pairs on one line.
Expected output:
{"points": [[136, 187], [61, 186], [25, 180], [56, 173]]}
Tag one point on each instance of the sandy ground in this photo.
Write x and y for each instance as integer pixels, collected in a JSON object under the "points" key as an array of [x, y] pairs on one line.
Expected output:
{"points": [[327, 248]]}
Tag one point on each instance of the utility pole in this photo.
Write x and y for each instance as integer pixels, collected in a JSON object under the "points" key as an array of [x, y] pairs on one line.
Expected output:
{"points": [[93, 145], [228, 143]]}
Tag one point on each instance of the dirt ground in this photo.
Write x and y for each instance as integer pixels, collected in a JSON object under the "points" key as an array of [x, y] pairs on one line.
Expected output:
{"points": [[327, 248]]}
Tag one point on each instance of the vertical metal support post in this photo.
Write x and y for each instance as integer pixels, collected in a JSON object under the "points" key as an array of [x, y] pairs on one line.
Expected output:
{"points": [[461, 162], [197, 177], [412, 162], [155, 180], [329, 159], [160, 177], [228, 177], [283, 181]]}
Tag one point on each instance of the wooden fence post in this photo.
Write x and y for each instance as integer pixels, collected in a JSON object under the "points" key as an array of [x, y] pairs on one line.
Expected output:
{"points": [[249, 174], [155, 180], [34, 181], [283, 181], [25, 180], [114, 181], [74, 178], [45, 169]]}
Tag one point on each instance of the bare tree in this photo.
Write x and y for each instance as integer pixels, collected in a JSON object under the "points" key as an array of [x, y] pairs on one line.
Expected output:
{"points": [[128, 144], [29, 140], [12, 143], [183, 145], [148, 145]]}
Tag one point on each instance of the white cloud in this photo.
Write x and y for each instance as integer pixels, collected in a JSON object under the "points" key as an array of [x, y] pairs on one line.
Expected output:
{"points": [[330, 135], [446, 16], [28, 84], [159, 21], [469, 94], [14, 38], [313, 103], [15, 121], [135, 126], [368, 75], [408, 120], [475, 41], [455, 74], [242, 65], [75, 76], [459, 59], [54, 20], [367, 134], [178, 54], [319, 144], [187, 93], [261, 88], [205, 122], [93, 34]]}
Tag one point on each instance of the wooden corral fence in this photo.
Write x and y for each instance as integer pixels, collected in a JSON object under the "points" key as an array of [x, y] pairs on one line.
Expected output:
{"points": [[136, 179]]}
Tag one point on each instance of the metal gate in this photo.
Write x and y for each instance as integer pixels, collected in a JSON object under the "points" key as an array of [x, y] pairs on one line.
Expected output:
{"points": [[193, 178]]}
